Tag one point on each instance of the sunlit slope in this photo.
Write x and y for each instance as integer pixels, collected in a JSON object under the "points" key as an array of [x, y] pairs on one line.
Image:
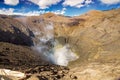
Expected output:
{"points": [[94, 36]]}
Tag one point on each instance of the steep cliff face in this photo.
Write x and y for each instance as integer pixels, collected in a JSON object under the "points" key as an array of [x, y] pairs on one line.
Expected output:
{"points": [[13, 31], [16, 40]]}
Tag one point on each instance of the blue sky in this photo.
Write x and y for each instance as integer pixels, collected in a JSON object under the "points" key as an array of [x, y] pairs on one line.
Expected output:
{"points": [[64, 7]]}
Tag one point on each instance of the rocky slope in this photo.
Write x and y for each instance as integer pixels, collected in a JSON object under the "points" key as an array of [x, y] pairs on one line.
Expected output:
{"points": [[94, 37], [15, 32], [18, 57], [16, 40]]}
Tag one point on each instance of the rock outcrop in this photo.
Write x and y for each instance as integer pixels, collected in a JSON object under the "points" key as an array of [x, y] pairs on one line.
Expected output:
{"points": [[47, 72], [15, 32]]}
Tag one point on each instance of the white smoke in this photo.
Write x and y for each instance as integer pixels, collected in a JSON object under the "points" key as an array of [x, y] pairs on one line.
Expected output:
{"points": [[63, 55], [60, 56], [48, 33], [57, 55]]}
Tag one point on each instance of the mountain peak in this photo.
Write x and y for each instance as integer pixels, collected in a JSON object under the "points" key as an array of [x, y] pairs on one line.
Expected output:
{"points": [[49, 15]]}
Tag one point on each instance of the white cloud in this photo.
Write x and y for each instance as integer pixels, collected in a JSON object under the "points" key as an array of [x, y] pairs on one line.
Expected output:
{"points": [[7, 11], [73, 3], [11, 2], [77, 3], [88, 2], [80, 5], [60, 11], [110, 2], [31, 13], [11, 11], [43, 4]]}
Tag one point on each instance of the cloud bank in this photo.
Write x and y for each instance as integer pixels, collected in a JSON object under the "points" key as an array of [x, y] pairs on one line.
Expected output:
{"points": [[43, 4], [11, 2], [110, 2], [11, 11], [77, 3], [6, 11], [60, 11]]}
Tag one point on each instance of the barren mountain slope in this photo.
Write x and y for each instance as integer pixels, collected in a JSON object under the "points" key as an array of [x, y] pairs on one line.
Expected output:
{"points": [[96, 37], [15, 45], [92, 36], [13, 31]]}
